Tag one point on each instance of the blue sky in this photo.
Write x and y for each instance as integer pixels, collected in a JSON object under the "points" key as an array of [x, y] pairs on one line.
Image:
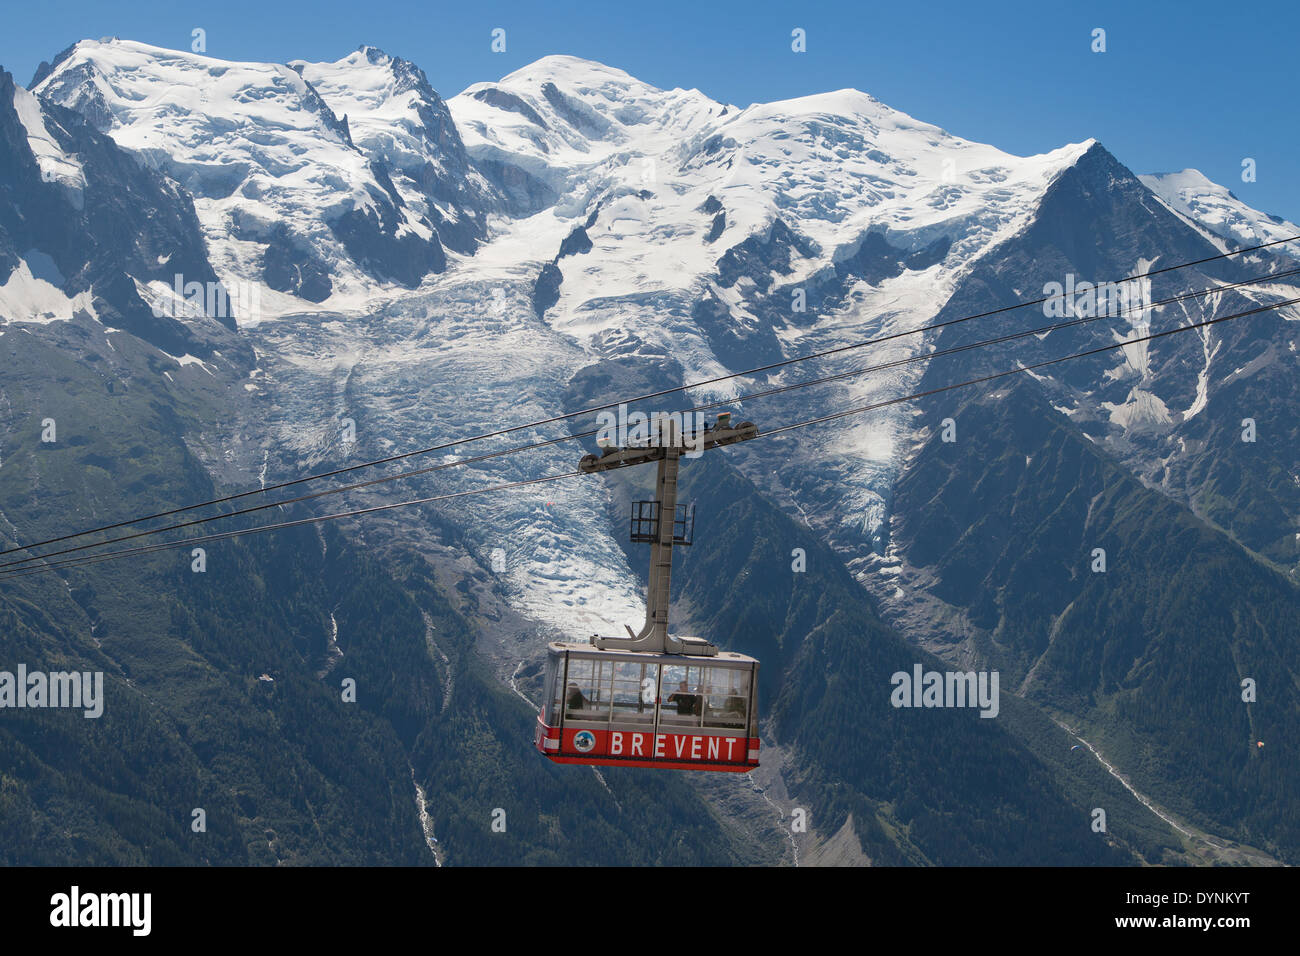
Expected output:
{"points": [[1195, 84]]}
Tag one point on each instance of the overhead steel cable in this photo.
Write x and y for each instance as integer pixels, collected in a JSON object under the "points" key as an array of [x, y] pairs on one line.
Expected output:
{"points": [[300, 498], [649, 395], [1030, 368], [982, 343], [923, 357], [859, 410], [278, 526]]}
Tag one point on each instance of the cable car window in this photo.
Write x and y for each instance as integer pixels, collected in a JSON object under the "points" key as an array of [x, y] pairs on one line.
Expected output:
{"points": [[681, 694], [552, 688], [726, 700], [587, 694], [634, 691]]}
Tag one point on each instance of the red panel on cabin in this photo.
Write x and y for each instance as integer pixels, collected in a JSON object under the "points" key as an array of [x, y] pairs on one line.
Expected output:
{"points": [[663, 747]]}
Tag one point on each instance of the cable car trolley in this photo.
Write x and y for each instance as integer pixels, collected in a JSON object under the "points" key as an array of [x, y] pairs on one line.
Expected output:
{"points": [[651, 699]]}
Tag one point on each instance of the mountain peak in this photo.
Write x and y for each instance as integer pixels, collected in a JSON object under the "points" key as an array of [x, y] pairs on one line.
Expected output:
{"points": [[1193, 194], [1187, 178], [571, 71]]}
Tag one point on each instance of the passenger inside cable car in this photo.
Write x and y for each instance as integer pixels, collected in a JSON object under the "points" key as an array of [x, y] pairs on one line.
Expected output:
{"points": [[686, 701]]}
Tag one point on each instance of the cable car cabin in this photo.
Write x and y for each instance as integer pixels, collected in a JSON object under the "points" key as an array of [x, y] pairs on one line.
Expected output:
{"points": [[650, 699], [640, 709]]}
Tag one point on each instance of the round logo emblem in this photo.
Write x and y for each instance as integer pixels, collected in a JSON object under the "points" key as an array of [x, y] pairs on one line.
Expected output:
{"points": [[584, 740]]}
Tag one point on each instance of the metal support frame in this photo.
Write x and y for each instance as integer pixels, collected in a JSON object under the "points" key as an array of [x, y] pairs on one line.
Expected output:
{"points": [[654, 636], [644, 526]]}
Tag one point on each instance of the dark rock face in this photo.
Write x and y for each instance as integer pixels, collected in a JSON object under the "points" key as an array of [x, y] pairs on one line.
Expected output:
{"points": [[575, 243], [1095, 223], [717, 227], [450, 180], [127, 222], [875, 260], [736, 345], [317, 105], [288, 265], [546, 290], [372, 243], [759, 256], [1004, 521]]}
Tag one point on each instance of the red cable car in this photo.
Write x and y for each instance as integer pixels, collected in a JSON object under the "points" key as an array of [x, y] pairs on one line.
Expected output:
{"points": [[650, 699], [641, 709]]}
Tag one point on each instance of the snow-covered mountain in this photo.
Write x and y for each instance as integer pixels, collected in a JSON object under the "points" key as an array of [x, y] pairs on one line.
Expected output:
{"points": [[599, 227], [544, 131], [85, 230], [1215, 207], [286, 199], [397, 120], [727, 238], [668, 188]]}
